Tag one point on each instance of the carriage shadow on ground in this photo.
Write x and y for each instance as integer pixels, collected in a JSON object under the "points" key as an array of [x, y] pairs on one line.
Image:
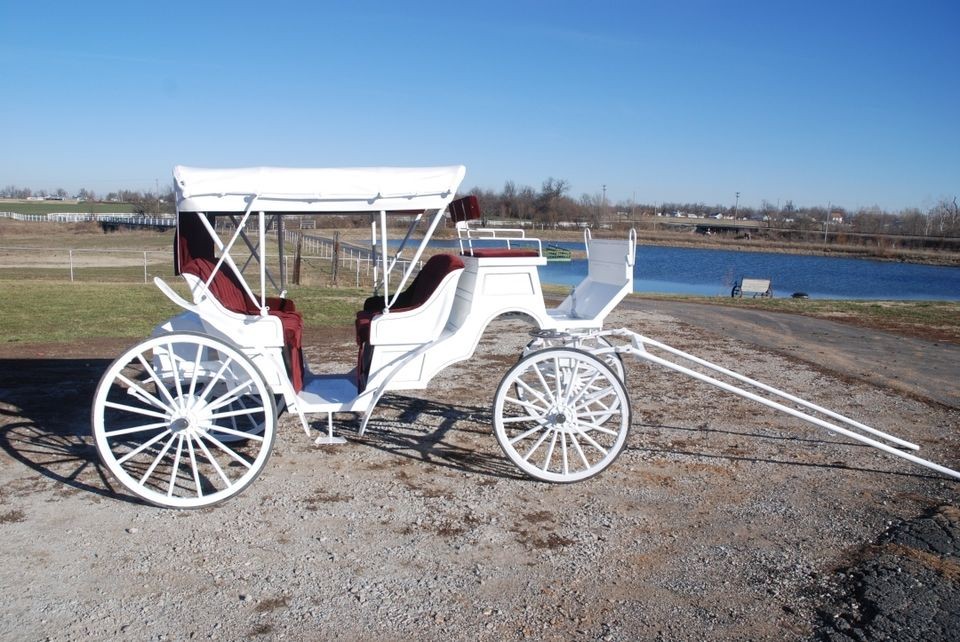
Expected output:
{"points": [[682, 441], [446, 435], [45, 420]]}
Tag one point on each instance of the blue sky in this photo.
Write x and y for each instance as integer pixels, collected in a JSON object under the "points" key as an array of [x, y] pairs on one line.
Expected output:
{"points": [[853, 103]]}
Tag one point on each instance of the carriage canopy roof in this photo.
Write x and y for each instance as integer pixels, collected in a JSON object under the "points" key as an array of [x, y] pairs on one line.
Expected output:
{"points": [[296, 190]]}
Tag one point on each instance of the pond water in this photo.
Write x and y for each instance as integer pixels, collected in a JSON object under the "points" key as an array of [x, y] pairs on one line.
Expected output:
{"points": [[711, 272]]}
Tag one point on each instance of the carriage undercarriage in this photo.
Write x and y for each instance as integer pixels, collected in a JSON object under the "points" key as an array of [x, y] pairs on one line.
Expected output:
{"points": [[187, 418]]}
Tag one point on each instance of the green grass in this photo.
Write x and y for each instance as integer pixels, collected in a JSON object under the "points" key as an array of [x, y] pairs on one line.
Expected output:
{"points": [[54, 312]]}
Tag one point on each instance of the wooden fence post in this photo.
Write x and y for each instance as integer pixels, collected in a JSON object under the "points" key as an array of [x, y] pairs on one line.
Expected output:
{"points": [[296, 260], [336, 256]]}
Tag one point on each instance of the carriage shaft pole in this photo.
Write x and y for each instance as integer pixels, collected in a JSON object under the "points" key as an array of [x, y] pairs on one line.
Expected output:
{"points": [[639, 351]]}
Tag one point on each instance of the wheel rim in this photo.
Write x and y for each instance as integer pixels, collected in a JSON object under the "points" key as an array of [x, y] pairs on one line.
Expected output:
{"points": [[184, 420], [570, 421]]}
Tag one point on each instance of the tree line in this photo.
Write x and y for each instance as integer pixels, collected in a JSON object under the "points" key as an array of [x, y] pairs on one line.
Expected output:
{"points": [[552, 205], [141, 202]]}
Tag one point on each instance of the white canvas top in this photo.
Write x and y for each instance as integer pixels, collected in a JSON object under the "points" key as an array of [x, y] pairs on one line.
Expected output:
{"points": [[348, 189]]}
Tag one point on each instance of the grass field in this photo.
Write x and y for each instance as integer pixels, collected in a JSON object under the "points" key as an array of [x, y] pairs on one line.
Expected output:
{"points": [[55, 312]]}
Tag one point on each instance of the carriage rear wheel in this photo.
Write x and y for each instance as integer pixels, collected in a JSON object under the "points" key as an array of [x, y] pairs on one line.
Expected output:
{"points": [[184, 420], [561, 415]]}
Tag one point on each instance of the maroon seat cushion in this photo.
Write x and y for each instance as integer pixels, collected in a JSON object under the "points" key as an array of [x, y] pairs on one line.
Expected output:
{"points": [[226, 288], [499, 252]]}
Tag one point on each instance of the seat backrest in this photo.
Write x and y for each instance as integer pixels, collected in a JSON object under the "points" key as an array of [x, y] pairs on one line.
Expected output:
{"points": [[225, 285], [428, 279], [465, 209], [191, 241]]}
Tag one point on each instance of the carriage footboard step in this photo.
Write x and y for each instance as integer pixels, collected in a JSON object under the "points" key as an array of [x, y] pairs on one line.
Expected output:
{"points": [[640, 346]]}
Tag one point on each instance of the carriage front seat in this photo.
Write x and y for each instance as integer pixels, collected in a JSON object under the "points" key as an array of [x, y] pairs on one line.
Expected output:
{"points": [[226, 289]]}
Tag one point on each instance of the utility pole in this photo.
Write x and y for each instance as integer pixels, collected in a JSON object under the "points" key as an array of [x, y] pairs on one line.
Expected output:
{"points": [[736, 207], [603, 202], [826, 222]]}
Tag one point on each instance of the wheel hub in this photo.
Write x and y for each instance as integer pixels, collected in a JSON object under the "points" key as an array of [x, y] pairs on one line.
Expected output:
{"points": [[188, 419]]}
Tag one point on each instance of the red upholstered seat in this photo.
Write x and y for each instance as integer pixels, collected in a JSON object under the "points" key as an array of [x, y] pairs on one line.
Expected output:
{"points": [[418, 293], [499, 252], [226, 288]]}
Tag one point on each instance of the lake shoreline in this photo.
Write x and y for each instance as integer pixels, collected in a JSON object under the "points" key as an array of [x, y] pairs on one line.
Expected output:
{"points": [[699, 241]]}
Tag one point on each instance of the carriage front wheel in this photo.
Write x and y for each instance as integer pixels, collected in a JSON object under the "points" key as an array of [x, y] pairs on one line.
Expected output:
{"points": [[561, 415], [184, 420]]}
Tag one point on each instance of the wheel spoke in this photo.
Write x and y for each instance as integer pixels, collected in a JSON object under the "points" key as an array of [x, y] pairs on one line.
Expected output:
{"points": [[144, 427], [236, 413], [209, 387], [540, 410], [548, 396], [230, 396], [576, 445], [592, 441], [139, 449], [196, 370], [135, 410], [156, 380], [585, 388], [135, 390], [537, 394], [193, 463], [176, 373], [596, 413], [157, 460], [176, 466], [563, 453], [607, 431], [216, 466], [597, 396], [211, 427], [533, 449], [526, 434], [546, 460], [219, 444]]}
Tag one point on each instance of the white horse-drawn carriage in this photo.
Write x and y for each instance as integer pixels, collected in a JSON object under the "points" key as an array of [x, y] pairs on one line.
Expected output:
{"points": [[187, 417]]}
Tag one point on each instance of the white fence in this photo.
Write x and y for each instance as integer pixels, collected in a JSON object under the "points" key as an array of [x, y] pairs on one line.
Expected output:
{"points": [[357, 264], [118, 218], [352, 258], [74, 261]]}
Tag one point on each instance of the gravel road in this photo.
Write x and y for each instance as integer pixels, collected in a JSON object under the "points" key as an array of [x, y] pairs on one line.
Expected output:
{"points": [[721, 519]]}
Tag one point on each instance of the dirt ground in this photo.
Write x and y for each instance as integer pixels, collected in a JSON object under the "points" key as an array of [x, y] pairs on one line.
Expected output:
{"points": [[721, 519]]}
